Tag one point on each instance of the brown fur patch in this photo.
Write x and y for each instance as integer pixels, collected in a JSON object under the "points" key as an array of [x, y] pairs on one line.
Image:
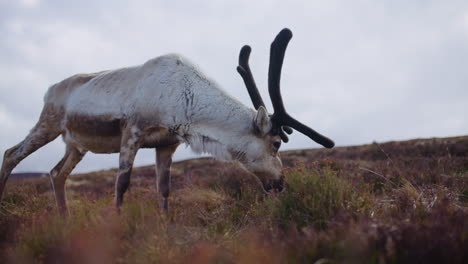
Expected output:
{"points": [[158, 136], [102, 126]]}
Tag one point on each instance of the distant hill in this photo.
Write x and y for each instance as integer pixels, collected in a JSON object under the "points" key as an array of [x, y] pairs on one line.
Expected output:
{"points": [[202, 167], [203, 170]]}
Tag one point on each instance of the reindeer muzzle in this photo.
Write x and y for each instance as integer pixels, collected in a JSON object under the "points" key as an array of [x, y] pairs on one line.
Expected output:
{"points": [[275, 185]]}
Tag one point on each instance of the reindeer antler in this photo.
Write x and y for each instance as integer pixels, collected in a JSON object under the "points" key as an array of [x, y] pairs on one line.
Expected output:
{"points": [[280, 117], [244, 71], [257, 101]]}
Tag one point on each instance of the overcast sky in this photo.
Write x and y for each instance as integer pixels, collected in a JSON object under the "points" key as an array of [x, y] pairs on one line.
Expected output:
{"points": [[356, 71]]}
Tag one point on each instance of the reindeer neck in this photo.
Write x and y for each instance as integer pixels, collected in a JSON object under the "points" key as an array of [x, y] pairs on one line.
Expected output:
{"points": [[220, 128]]}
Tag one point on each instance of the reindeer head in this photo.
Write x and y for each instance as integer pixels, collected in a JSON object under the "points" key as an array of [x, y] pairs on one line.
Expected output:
{"points": [[272, 129]]}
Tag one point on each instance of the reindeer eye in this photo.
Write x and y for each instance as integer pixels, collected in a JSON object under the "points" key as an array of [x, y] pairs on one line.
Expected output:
{"points": [[277, 144]]}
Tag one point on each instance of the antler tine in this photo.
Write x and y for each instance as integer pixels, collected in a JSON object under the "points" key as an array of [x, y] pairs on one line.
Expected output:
{"points": [[312, 134], [277, 51], [280, 117], [244, 71]]}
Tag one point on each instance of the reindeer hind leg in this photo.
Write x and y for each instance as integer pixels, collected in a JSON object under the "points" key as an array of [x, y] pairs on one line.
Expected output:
{"points": [[39, 136]]}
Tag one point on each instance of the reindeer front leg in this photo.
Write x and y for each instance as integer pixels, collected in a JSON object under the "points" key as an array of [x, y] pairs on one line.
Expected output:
{"points": [[128, 149], [163, 172]]}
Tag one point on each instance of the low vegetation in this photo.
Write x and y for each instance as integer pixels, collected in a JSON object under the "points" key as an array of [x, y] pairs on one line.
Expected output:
{"points": [[398, 202]]}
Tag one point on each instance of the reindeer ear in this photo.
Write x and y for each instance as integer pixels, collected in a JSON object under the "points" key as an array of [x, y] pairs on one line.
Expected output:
{"points": [[262, 121]]}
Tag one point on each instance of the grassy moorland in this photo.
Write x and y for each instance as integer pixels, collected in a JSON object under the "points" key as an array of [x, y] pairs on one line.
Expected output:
{"points": [[396, 202]]}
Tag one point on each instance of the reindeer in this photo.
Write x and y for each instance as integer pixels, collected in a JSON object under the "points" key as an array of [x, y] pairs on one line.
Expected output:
{"points": [[161, 104]]}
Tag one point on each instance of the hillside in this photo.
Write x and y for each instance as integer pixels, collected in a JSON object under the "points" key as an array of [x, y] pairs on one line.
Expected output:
{"points": [[394, 202], [185, 172]]}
